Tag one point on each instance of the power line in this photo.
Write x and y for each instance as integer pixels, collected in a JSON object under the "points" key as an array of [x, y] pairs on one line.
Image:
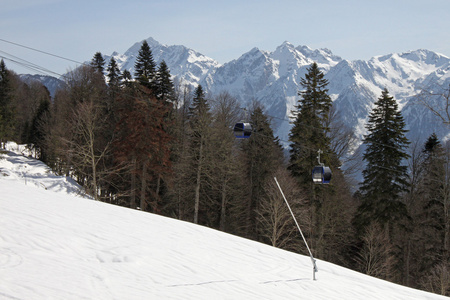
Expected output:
{"points": [[43, 52], [26, 64]]}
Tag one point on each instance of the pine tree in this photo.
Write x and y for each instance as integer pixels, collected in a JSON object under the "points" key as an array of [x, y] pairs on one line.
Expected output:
{"points": [[200, 121], [263, 154], [164, 92], [37, 134], [126, 79], [113, 74], [199, 113], [145, 67], [163, 83], [309, 133], [98, 62], [385, 178], [327, 204], [435, 205]]}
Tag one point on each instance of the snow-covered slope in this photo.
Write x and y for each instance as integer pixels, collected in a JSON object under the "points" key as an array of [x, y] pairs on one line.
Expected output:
{"points": [[273, 79], [57, 245]]}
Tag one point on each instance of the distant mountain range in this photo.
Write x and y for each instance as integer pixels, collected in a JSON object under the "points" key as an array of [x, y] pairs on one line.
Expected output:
{"points": [[51, 83], [273, 79]]}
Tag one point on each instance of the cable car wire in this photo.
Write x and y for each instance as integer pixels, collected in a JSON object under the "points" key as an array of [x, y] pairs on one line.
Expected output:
{"points": [[26, 64], [43, 52]]}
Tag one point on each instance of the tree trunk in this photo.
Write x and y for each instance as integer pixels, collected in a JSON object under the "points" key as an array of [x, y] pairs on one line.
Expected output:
{"points": [[93, 163], [197, 183], [143, 202], [223, 206], [133, 203]]}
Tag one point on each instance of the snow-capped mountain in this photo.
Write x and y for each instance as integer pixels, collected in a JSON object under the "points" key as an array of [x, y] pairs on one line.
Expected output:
{"points": [[273, 79], [185, 64]]}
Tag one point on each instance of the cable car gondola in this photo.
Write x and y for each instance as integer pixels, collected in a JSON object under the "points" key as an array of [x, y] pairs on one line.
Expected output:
{"points": [[242, 130], [321, 174]]}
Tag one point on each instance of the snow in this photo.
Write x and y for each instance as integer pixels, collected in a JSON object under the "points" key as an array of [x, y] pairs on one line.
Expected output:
{"points": [[55, 244]]}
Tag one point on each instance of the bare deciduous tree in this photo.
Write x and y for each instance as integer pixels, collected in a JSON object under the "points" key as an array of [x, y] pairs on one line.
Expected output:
{"points": [[438, 279], [375, 257], [276, 223], [437, 100], [86, 127]]}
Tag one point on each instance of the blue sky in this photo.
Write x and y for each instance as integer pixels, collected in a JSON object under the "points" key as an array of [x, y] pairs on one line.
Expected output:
{"points": [[222, 30]]}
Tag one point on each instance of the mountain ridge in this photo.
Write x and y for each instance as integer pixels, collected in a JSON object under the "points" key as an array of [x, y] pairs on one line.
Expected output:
{"points": [[273, 79]]}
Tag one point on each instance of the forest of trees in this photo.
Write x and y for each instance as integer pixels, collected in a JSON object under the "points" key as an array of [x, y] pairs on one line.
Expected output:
{"points": [[141, 141]]}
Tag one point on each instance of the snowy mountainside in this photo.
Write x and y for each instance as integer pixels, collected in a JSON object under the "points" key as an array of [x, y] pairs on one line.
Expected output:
{"points": [[405, 76], [51, 83], [57, 245], [273, 79], [185, 64]]}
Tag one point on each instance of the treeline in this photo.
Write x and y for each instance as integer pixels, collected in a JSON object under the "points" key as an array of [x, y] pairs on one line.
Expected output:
{"points": [[141, 141]]}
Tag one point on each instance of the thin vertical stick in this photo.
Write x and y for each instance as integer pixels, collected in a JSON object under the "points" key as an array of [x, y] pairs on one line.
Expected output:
{"points": [[298, 226]]}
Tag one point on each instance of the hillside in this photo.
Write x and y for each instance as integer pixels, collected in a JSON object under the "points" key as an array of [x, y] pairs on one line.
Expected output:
{"points": [[55, 244]]}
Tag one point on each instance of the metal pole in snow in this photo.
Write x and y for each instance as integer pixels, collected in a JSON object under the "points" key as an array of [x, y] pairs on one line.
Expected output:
{"points": [[298, 226]]}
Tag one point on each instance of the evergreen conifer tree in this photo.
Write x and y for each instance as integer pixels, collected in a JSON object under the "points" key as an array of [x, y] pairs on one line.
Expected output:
{"points": [[263, 154], [327, 204], [126, 79], [435, 205], [113, 73], [163, 83], [199, 113], [98, 62], [309, 133], [145, 67], [200, 121], [385, 178], [36, 138]]}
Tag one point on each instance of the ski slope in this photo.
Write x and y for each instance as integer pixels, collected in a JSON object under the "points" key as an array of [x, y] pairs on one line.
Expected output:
{"points": [[55, 244]]}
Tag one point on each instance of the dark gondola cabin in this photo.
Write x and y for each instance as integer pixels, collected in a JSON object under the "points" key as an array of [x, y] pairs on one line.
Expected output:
{"points": [[242, 130], [321, 175]]}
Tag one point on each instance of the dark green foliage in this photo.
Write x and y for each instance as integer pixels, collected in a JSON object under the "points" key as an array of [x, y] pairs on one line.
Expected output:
{"points": [[126, 79], [435, 203], [98, 62], [36, 138], [199, 113], [199, 123], [145, 67], [113, 75], [164, 89], [309, 133], [328, 205], [263, 154], [385, 177]]}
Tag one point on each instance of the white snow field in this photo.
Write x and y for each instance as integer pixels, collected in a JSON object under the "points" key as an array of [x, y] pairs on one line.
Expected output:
{"points": [[54, 244]]}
